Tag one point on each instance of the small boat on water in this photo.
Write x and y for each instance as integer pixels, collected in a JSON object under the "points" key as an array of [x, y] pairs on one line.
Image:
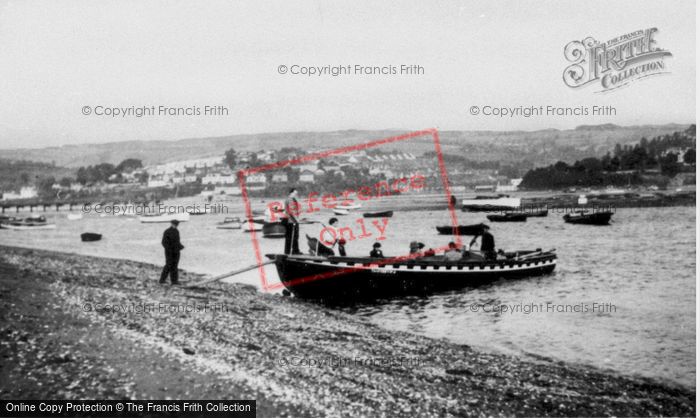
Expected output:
{"points": [[537, 213], [250, 228], [508, 217], [230, 223], [274, 230], [165, 217], [385, 214], [349, 206], [256, 224], [337, 278], [586, 218], [475, 229], [74, 216], [341, 212], [90, 237], [28, 224], [197, 211]]}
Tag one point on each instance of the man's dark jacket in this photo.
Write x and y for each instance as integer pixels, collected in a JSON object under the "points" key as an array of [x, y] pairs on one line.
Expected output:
{"points": [[171, 240]]}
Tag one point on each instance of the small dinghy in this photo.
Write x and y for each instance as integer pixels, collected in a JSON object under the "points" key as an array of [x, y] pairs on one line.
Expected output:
{"points": [[229, 223], [475, 229], [349, 206], [197, 211], [31, 223], [385, 214], [338, 278], [256, 225], [508, 217], [341, 212], [90, 237], [585, 218], [74, 216]]}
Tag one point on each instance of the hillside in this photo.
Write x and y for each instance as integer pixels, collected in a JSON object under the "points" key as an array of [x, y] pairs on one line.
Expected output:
{"points": [[541, 147]]}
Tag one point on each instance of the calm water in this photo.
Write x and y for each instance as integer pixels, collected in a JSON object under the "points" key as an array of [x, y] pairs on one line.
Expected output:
{"points": [[643, 266]]}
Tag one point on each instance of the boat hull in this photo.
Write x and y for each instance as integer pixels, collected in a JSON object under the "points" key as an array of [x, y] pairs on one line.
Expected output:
{"points": [[511, 217], [274, 230], [348, 278], [28, 227], [90, 237], [597, 218], [386, 214], [476, 229]]}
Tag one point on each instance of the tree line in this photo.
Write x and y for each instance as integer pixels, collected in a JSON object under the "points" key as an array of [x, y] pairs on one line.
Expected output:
{"points": [[625, 165]]}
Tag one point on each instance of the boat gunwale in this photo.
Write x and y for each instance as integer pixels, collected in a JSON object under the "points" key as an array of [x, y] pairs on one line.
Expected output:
{"points": [[368, 262]]}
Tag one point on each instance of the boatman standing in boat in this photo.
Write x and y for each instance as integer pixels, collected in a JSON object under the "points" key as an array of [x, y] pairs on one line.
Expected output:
{"points": [[291, 224], [171, 244], [488, 243]]}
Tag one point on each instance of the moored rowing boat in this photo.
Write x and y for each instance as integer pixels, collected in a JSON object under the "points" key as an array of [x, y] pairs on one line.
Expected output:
{"points": [[593, 218]]}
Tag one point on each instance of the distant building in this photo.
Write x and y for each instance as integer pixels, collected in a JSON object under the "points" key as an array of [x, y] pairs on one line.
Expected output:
{"points": [[219, 178], [280, 178], [157, 181], [307, 176], [512, 186], [256, 178], [27, 192]]}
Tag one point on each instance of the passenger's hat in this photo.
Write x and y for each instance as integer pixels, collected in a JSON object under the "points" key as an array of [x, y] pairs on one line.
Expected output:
{"points": [[175, 222], [376, 245]]}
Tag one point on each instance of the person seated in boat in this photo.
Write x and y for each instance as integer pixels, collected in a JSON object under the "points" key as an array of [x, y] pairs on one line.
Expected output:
{"points": [[429, 252], [416, 247], [488, 243], [337, 237], [329, 238], [453, 253], [501, 255], [376, 251]]}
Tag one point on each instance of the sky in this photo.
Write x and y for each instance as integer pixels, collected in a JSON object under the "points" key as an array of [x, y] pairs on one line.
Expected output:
{"points": [[60, 56]]}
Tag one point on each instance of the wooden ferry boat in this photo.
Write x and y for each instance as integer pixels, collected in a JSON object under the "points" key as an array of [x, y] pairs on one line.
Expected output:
{"points": [[357, 278]]}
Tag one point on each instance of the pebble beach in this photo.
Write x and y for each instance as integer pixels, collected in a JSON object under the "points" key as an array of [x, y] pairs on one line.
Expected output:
{"points": [[82, 327]]}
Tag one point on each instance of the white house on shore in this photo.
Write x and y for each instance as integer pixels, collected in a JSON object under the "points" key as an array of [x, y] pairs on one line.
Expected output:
{"points": [[511, 187], [307, 176], [27, 192]]}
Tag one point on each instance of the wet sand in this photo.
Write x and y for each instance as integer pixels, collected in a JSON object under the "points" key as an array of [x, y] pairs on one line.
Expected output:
{"points": [[86, 327]]}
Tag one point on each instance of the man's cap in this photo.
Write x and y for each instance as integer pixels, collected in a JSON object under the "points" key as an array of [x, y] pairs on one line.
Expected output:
{"points": [[175, 222]]}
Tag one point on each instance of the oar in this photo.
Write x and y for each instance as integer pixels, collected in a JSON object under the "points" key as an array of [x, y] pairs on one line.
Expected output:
{"points": [[230, 274]]}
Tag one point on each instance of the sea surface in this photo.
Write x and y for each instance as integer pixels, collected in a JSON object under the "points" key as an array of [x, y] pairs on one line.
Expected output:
{"points": [[622, 296]]}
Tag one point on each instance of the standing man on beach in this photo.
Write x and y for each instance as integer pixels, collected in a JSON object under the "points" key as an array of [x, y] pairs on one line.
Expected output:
{"points": [[291, 224], [172, 245]]}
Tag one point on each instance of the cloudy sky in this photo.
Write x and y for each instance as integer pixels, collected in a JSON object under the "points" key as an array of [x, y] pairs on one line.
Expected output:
{"points": [[59, 56]]}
